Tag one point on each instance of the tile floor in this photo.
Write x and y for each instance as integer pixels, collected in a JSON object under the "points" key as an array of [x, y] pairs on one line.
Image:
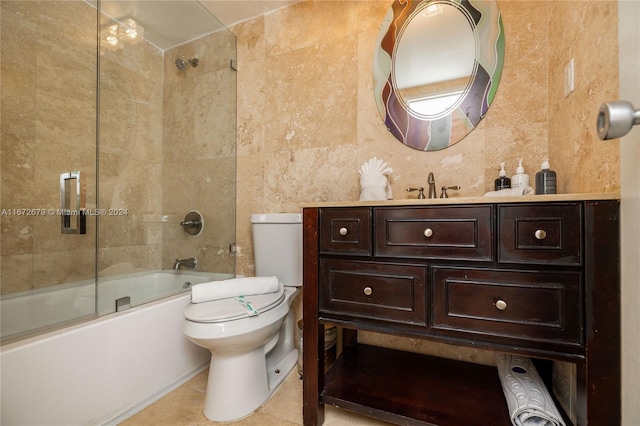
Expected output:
{"points": [[183, 407]]}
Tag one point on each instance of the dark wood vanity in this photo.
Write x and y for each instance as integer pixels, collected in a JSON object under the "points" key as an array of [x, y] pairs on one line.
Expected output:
{"points": [[536, 276]]}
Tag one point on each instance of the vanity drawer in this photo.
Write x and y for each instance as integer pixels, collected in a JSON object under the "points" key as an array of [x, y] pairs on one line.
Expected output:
{"points": [[390, 292], [460, 233], [535, 307], [542, 234], [345, 231]]}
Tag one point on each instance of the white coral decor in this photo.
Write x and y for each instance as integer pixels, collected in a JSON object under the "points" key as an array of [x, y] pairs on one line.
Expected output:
{"points": [[374, 184]]}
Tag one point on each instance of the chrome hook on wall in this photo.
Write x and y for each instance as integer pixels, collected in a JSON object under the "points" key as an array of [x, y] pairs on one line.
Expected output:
{"points": [[615, 119], [193, 223]]}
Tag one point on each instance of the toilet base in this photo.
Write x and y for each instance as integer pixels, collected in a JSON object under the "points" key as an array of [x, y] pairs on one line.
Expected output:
{"points": [[250, 384]]}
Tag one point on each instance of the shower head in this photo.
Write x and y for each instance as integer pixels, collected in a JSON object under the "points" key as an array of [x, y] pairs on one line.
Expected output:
{"points": [[181, 64]]}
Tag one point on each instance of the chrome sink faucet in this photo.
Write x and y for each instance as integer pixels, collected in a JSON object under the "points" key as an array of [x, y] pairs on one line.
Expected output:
{"points": [[190, 263]]}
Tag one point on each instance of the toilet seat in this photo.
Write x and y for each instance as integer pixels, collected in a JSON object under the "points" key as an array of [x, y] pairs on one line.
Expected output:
{"points": [[231, 309]]}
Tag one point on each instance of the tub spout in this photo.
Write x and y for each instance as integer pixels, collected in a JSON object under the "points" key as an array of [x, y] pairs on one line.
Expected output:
{"points": [[190, 263]]}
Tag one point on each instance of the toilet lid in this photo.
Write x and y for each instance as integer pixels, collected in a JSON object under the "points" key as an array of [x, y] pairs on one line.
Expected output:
{"points": [[233, 308]]}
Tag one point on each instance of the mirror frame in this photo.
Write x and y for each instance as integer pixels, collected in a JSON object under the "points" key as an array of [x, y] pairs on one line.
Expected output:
{"points": [[438, 132]]}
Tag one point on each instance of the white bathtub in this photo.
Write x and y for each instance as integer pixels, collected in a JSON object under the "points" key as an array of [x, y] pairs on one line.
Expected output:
{"points": [[102, 370]]}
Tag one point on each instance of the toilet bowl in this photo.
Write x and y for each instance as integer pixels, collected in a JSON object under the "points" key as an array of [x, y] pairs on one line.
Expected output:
{"points": [[252, 354]]}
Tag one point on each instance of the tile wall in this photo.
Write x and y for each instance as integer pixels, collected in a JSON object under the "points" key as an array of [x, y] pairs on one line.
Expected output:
{"points": [[48, 128], [167, 146], [307, 118]]}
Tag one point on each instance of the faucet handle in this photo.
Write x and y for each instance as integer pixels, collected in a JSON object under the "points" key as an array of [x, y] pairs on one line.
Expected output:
{"points": [[420, 192], [444, 194]]}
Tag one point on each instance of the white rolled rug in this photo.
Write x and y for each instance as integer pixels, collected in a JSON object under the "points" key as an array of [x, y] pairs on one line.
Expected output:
{"points": [[528, 399], [215, 290]]}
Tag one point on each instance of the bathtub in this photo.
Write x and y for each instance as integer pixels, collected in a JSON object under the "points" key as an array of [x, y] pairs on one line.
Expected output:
{"points": [[105, 369]]}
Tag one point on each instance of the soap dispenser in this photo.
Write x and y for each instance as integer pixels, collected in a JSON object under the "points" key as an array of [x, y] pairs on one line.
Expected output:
{"points": [[520, 179], [545, 179], [503, 182]]}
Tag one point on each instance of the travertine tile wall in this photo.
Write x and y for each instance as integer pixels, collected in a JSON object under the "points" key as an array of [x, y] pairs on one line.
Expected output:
{"points": [[130, 148], [167, 146], [307, 118], [199, 148], [588, 32], [48, 128]]}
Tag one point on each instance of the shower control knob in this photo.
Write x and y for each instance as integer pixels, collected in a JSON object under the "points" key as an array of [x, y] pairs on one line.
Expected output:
{"points": [[343, 231], [428, 232]]}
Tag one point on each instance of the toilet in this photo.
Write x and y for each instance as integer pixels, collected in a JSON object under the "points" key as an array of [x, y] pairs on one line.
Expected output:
{"points": [[252, 355]]}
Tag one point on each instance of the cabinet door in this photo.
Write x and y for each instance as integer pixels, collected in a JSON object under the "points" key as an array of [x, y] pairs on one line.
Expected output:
{"points": [[456, 233], [389, 292], [533, 308]]}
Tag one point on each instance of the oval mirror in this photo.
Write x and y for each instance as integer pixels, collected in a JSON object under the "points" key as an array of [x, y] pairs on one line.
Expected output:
{"points": [[436, 70]]}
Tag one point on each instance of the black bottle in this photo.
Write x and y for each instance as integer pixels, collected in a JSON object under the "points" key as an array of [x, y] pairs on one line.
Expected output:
{"points": [[503, 182], [546, 180]]}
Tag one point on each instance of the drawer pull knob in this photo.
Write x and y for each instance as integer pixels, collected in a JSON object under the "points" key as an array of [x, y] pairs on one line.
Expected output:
{"points": [[368, 291], [540, 234], [343, 231], [501, 304], [428, 232]]}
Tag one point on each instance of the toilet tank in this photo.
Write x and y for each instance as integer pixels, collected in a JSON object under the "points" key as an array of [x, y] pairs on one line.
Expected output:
{"points": [[277, 246]]}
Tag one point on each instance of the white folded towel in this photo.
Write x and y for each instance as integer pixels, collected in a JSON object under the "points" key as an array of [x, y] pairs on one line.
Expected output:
{"points": [[235, 287], [528, 399], [512, 192]]}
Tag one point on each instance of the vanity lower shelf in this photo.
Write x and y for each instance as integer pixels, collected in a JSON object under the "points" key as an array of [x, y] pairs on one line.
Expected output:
{"points": [[414, 389]]}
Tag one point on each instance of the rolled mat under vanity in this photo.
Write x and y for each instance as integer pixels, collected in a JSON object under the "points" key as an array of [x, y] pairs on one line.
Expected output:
{"points": [[528, 399]]}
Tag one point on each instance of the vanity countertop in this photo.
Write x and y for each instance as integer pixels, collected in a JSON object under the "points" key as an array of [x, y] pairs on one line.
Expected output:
{"points": [[468, 200]]}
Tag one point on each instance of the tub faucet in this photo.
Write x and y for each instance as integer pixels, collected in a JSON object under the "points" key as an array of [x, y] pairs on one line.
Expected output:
{"points": [[432, 186], [190, 263]]}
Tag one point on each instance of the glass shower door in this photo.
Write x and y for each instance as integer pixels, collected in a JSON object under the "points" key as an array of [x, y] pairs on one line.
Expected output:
{"points": [[48, 129]]}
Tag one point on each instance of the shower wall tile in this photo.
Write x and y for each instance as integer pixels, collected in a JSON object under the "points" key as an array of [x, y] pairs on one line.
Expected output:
{"points": [[18, 181], [207, 187], [63, 267], [215, 52], [130, 113], [124, 259], [49, 104], [131, 116], [17, 235], [178, 126], [215, 115], [16, 273], [199, 164]]}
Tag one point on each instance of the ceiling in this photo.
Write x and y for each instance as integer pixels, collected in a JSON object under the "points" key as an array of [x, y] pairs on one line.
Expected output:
{"points": [[171, 23]]}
